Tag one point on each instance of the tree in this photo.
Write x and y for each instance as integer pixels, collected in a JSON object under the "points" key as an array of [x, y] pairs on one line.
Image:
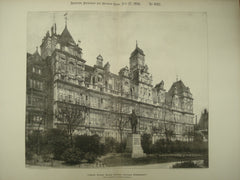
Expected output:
{"points": [[168, 131], [121, 122], [33, 138], [189, 134], [72, 116]]}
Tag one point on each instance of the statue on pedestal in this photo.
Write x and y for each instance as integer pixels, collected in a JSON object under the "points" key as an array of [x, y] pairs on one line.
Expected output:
{"points": [[134, 121], [134, 139]]}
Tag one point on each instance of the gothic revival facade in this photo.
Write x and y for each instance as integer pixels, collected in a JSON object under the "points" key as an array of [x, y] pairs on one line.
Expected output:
{"points": [[60, 79]]}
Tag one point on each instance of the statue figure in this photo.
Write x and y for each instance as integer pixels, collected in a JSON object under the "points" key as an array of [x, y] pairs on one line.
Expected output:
{"points": [[134, 121]]}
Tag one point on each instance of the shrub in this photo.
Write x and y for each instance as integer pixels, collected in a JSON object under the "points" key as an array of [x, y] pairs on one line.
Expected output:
{"points": [[121, 147], [72, 156], [29, 154], [188, 164], [89, 144], [162, 146], [34, 142], [205, 161], [47, 157], [57, 142], [90, 157], [110, 145], [146, 142], [37, 159]]}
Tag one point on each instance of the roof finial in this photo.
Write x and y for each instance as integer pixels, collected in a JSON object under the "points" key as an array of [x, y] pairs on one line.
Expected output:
{"points": [[65, 15], [136, 44], [36, 49], [54, 26], [176, 77]]}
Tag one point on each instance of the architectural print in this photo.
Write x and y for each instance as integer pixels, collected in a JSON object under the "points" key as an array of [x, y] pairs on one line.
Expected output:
{"points": [[64, 92]]}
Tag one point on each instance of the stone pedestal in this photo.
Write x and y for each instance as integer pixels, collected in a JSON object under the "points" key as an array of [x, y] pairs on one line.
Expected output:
{"points": [[134, 146]]}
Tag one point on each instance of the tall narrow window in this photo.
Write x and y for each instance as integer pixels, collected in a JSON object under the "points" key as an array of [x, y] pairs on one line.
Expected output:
{"points": [[29, 99], [34, 84], [31, 83]]}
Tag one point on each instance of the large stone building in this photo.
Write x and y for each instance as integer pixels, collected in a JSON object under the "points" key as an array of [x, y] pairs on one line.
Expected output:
{"points": [[59, 79]]}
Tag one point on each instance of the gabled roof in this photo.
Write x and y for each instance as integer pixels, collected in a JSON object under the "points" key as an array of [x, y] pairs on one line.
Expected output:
{"points": [[66, 38]]}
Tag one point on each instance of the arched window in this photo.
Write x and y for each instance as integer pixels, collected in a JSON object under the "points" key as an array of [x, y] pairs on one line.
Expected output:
{"points": [[99, 78]]}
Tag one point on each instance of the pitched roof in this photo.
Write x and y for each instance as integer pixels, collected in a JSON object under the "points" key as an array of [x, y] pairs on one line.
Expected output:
{"points": [[137, 51], [160, 85], [88, 68], [66, 38], [178, 88]]}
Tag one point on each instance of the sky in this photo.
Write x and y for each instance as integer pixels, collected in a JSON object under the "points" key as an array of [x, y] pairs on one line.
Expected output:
{"points": [[174, 43]]}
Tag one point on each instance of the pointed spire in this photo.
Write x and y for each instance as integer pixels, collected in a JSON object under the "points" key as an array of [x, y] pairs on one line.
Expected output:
{"points": [[66, 38], [65, 15], [54, 26], [137, 50]]}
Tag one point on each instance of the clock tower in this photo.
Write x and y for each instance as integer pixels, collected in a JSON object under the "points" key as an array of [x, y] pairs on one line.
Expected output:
{"points": [[141, 78]]}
